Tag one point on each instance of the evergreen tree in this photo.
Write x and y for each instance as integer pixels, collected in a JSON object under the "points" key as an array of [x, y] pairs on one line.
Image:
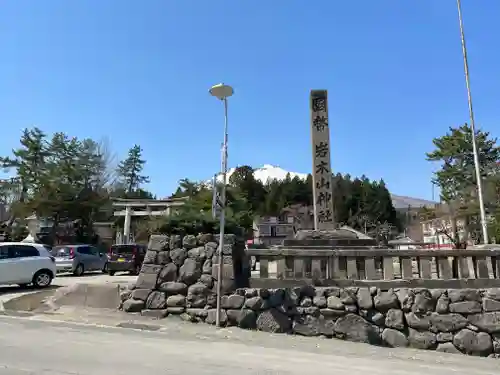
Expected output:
{"points": [[456, 177], [363, 204], [129, 170], [248, 187], [454, 151]]}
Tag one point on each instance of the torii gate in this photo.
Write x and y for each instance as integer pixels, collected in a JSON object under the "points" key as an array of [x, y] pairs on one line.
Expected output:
{"points": [[144, 207]]}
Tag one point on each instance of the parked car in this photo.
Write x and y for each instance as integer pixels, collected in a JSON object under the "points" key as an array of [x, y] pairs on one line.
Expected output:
{"points": [[126, 258], [79, 259], [26, 263]]}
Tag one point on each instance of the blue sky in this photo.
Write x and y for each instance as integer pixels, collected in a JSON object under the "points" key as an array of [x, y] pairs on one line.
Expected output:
{"points": [[139, 72]]}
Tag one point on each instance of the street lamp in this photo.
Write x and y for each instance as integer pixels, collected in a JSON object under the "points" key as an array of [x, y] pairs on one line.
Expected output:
{"points": [[222, 92], [484, 224]]}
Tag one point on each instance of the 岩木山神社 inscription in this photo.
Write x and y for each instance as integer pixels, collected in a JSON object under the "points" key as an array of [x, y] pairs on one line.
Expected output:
{"points": [[322, 172]]}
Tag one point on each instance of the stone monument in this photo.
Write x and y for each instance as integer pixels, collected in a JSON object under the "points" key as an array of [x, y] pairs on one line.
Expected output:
{"points": [[325, 231], [324, 216]]}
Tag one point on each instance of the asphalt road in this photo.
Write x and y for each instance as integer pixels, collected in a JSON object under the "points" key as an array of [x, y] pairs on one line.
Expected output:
{"points": [[11, 291], [39, 347]]}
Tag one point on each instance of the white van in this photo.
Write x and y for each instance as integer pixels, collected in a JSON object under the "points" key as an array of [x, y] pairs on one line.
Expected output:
{"points": [[26, 263]]}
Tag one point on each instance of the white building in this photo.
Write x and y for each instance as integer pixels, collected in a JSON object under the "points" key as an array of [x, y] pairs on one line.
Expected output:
{"points": [[434, 232]]}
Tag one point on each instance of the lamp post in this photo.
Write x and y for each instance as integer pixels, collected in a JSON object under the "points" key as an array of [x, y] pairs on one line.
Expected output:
{"points": [[484, 224], [222, 92]]}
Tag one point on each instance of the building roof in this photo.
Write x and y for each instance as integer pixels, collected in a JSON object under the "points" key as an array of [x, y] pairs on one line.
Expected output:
{"points": [[359, 234], [401, 241]]}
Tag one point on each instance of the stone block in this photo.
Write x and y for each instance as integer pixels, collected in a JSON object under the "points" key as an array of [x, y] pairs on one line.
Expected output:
{"points": [[227, 271], [133, 305], [352, 327], [148, 277], [176, 301], [140, 294], [175, 241], [150, 257], [156, 301], [365, 300], [447, 322], [395, 319], [273, 321], [243, 318], [473, 343], [167, 273], [158, 242], [488, 322], [394, 338], [385, 301], [490, 305], [189, 242], [212, 317], [155, 314], [175, 310], [459, 295], [334, 303], [178, 256], [422, 339], [465, 307], [190, 271], [173, 287], [233, 302]]}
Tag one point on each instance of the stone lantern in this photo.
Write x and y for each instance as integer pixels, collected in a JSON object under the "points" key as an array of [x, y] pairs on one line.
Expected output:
{"points": [[33, 227]]}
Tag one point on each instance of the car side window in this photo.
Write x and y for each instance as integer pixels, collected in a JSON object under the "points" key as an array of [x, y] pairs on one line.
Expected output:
{"points": [[23, 251], [83, 250], [4, 252], [94, 251]]}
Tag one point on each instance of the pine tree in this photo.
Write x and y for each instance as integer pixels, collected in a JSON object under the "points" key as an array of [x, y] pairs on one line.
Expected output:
{"points": [[454, 151], [129, 170], [61, 178], [456, 177], [28, 163]]}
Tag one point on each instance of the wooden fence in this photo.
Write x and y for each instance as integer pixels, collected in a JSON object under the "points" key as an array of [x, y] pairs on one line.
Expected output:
{"points": [[343, 266]]}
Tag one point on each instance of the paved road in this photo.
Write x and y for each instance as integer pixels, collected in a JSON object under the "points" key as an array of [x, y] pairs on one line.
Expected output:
{"points": [[8, 292], [36, 347]]}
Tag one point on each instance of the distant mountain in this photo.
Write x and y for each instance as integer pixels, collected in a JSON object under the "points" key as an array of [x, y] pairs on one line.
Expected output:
{"points": [[399, 202], [271, 172]]}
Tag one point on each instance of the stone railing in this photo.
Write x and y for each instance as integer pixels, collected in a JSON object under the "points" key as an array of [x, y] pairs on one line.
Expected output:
{"points": [[179, 278], [284, 267]]}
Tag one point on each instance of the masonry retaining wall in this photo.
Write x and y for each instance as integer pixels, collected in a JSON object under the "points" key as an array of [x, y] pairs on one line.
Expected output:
{"points": [[179, 278]]}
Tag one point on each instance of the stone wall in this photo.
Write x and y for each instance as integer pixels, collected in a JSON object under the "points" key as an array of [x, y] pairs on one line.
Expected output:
{"points": [[182, 271], [182, 281]]}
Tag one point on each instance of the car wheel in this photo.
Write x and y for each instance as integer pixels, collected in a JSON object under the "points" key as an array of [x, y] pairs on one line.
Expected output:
{"points": [[111, 273], [79, 270], [42, 279], [105, 268]]}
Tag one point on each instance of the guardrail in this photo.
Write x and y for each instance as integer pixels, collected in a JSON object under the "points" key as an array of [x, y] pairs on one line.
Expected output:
{"points": [[352, 266]]}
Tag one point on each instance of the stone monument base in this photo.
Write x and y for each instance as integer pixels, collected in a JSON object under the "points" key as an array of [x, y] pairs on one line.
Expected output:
{"points": [[344, 236]]}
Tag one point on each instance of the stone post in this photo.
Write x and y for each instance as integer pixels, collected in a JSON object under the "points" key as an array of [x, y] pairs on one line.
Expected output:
{"points": [[126, 225], [324, 217]]}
